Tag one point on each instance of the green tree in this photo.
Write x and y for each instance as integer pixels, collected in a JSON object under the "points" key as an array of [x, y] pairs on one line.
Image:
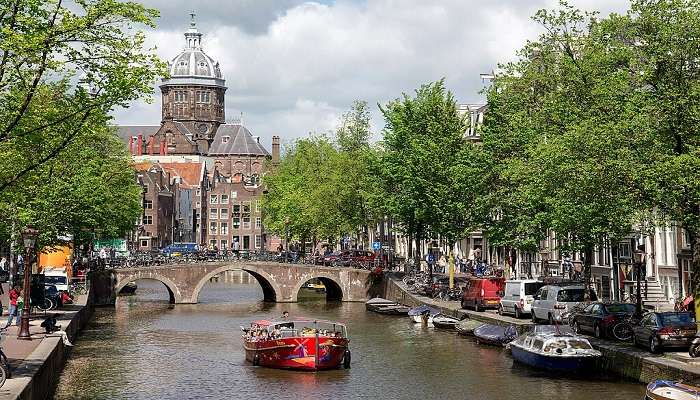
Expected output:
{"points": [[62, 66], [419, 169]]}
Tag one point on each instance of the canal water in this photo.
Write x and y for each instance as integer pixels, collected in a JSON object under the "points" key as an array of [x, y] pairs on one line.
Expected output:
{"points": [[146, 349]]}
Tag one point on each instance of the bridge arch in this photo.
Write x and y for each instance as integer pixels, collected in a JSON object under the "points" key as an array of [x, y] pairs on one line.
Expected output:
{"points": [[173, 291], [270, 289], [334, 290]]}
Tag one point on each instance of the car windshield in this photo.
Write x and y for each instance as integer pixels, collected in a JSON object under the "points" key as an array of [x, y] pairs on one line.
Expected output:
{"points": [[531, 288], [573, 295], [677, 319], [620, 308], [55, 280]]}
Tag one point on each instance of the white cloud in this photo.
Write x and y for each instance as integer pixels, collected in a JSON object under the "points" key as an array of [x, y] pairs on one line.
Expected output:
{"points": [[295, 69]]}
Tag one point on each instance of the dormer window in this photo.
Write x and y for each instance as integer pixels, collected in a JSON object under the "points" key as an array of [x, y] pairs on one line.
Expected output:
{"points": [[225, 139]]}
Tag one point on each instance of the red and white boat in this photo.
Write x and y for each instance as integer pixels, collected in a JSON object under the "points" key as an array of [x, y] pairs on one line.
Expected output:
{"points": [[307, 345]]}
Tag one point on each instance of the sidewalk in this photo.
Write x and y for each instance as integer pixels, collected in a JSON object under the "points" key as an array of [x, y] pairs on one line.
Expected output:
{"points": [[622, 359]]}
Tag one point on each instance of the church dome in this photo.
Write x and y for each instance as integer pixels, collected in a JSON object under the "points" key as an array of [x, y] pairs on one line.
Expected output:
{"points": [[192, 65]]}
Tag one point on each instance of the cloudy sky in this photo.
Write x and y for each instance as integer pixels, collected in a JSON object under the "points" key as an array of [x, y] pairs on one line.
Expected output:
{"points": [[293, 67]]}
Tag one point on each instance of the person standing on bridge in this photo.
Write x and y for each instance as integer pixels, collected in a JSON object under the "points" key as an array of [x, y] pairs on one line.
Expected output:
{"points": [[236, 248]]}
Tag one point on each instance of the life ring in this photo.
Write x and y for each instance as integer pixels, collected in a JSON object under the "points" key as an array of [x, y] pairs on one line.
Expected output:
{"points": [[346, 359], [256, 360]]}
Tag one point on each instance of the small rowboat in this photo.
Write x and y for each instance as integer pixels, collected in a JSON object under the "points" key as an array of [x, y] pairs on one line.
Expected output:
{"points": [[495, 335], [442, 321], [466, 327], [306, 345], [669, 390]]}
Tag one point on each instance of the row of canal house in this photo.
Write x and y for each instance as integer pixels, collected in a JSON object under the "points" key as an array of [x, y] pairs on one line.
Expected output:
{"points": [[665, 274]]}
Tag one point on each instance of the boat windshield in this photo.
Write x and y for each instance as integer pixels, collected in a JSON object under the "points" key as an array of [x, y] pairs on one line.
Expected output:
{"points": [[579, 344], [283, 329]]}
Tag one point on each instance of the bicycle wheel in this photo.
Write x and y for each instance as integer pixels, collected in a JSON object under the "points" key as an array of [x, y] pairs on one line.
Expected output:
{"points": [[4, 373], [623, 331]]}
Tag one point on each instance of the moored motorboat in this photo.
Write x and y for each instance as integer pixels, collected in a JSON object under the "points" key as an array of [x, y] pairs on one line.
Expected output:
{"points": [[554, 349], [416, 314], [496, 335], [443, 321], [307, 345], [466, 326], [387, 307], [669, 390]]}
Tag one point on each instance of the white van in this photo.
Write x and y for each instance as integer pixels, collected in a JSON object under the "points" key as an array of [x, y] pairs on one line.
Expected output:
{"points": [[552, 300], [56, 277], [518, 297]]}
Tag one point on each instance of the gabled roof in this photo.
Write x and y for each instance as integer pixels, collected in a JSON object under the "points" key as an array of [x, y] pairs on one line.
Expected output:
{"points": [[125, 132], [191, 173], [236, 139]]}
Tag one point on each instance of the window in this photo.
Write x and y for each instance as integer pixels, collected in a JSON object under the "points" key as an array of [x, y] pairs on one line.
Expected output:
{"points": [[257, 206], [202, 97], [236, 208], [180, 96], [258, 241], [224, 228], [225, 139], [213, 227], [234, 194], [145, 190], [223, 213], [224, 244], [144, 243], [236, 222], [246, 222], [258, 222], [199, 192], [148, 204], [147, 219], [224, 199], [246, 207], [199, 205], [624, 250], [212, 243], [213, 213], [214, 199], [246, 242]]}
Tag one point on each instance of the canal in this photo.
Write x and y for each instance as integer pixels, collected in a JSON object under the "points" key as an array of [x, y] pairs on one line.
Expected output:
{"points": [[146, 349]]}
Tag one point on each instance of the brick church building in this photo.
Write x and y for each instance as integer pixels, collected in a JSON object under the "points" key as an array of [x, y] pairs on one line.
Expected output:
{"points": [[201, 175]]}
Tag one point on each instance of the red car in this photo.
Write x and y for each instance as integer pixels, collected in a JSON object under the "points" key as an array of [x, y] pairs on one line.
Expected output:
{"points": [[483, 293]]}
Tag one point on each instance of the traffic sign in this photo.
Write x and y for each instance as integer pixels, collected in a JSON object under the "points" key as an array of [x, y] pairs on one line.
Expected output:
{"points": [[376, 246]]}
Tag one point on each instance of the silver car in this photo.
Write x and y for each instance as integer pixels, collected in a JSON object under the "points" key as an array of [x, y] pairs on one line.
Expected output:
{"points": [[553, 300]]}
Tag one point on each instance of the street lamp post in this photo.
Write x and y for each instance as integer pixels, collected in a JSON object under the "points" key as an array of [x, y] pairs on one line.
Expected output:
{"points": [[544, 254], [638, 261], [29, 235]]}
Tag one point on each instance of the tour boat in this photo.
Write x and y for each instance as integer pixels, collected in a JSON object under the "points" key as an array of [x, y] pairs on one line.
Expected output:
{"points": [[307, 345], [669, 390], [555, 349]]}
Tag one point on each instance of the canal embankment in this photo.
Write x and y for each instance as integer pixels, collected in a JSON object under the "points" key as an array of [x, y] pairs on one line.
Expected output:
{"points": [[37, 363], [619, 359]]}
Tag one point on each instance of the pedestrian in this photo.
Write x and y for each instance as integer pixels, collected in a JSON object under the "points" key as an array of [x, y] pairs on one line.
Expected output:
{"points": [[13, 310], [236, 248], [103, 257], [3, 264], [442, 262], [20, 264]]}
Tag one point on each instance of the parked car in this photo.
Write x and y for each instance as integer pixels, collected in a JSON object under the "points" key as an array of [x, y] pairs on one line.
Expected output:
{"points": [[483, 293], [553, 300], [660, 330], [599, 318], [349, 258], [518, 297]]}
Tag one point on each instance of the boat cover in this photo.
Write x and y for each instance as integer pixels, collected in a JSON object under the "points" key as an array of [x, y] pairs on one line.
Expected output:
{"points": [[420, 310], [496, 333]]}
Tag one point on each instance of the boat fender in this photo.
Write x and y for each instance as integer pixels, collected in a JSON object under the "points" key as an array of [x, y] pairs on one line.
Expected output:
{"points": [[346, 359], [256, 360]]}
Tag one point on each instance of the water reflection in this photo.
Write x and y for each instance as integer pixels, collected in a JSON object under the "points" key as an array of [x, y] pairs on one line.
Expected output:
{"points": [[146, 349]]}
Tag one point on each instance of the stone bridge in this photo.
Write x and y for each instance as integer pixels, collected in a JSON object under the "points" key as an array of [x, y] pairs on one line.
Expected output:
{"points": [[280, 282]]}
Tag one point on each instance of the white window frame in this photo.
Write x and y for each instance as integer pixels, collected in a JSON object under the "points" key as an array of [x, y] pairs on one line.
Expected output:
{"points": [[258, 241], [223, 228], [258, 222], [213, 213], [213, 199], [213, 228]]}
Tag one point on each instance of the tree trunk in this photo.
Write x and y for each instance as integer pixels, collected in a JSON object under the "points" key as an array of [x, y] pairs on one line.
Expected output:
{"points": [[588, 256]]}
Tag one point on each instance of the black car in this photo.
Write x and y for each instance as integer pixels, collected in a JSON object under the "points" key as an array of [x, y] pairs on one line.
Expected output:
{"points": [[598, 318], [659, 330]]}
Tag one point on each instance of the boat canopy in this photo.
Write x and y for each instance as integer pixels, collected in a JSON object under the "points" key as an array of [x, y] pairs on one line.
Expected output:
{"points": [[423, 309]]}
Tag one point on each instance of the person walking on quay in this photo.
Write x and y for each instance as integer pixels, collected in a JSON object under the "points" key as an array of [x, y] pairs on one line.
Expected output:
{"points": [[442, 263], [103, 257], [13, 311], [236, 248], [3, 264]]}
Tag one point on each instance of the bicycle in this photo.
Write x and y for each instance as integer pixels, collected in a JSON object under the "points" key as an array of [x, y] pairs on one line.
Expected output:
{"points": [[623, 330], [4, 363]]}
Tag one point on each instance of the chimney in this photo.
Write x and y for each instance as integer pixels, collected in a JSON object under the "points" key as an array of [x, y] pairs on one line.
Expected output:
{"points": [[275, 150], [150, 145], [139, 145], [161, 149], [131, 146]]}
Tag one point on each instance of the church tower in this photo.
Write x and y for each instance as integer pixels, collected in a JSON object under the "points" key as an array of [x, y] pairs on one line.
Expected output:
{"points": [[193, 94]]}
